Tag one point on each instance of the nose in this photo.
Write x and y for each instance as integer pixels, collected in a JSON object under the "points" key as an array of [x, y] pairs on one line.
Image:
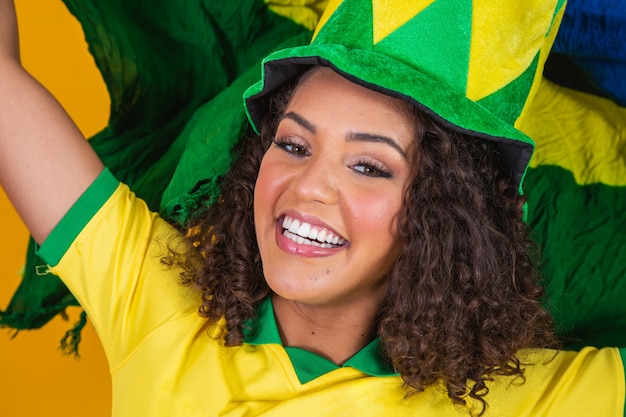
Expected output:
{"points": [[316, 181]]}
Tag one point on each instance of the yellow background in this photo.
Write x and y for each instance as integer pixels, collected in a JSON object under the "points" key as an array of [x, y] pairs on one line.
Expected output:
{"points": [[35, 378]]}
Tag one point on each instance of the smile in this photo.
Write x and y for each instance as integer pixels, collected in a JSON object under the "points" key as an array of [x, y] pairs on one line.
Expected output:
{"points": [[306, 234]]}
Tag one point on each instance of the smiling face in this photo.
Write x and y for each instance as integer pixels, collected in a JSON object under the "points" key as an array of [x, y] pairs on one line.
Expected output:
{"points": [[329, 193]]}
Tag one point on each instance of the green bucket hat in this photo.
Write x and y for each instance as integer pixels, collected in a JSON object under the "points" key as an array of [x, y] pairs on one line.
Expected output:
{"points": [[474, 65]]}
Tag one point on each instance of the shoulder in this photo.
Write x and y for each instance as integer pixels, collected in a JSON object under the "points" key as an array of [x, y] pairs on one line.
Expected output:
{"points": [[563, 383]]}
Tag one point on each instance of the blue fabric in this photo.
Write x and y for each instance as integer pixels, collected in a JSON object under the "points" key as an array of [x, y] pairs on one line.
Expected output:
{"points": [[593, 35]]}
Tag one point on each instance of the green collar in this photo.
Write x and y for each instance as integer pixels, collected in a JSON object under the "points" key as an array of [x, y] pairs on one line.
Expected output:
{"points": [[308, 365]]}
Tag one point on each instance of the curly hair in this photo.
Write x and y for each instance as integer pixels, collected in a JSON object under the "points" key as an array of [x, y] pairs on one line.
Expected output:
{"points": [[463, 296], [229, 273]]}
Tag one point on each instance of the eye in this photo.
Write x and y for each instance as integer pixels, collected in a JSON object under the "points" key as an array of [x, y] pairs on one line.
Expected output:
{"points": [[372, 169], [291, 146]]}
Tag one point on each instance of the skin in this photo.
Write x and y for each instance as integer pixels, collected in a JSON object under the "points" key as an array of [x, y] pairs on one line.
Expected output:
{"points": [[340, 163], [323, 303], [45, 162]]}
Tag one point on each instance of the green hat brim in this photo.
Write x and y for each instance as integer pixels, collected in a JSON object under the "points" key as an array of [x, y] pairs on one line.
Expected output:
{"points": [[392, 77]]}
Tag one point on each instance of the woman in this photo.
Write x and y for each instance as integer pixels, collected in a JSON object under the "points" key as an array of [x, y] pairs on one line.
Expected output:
{"points": [[367, 255]]}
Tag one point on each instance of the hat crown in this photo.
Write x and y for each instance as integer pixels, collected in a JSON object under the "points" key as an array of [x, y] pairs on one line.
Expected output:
{"points": [[474, 65], [489, 51]]}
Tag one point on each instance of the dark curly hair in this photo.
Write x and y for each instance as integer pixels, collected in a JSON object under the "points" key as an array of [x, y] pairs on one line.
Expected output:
{"points": [[463, 297]]}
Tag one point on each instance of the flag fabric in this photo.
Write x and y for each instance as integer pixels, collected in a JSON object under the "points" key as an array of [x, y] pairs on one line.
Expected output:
{"points": [[176, 74], [576, 183]]}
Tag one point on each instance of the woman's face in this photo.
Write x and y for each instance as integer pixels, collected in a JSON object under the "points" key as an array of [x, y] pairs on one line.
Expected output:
{"points": [[329, 193]]}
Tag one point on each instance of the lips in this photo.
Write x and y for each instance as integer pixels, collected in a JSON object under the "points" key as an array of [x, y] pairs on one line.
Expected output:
{"points": [[304, 233]]}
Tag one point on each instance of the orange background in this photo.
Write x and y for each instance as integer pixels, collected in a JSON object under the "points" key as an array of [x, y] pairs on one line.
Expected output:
{"points": [[35, 378]]}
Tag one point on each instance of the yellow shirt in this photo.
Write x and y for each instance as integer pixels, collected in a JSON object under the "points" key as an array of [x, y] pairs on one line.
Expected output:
{"points": [[166, 361]]}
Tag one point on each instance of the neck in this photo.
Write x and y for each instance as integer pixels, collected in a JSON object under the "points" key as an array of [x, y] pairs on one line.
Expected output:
{"points": [[335, 333]]}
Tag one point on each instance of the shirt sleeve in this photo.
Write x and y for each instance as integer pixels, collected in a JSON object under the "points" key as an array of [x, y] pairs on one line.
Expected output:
{"points": [[108, 250], [589, 382]]}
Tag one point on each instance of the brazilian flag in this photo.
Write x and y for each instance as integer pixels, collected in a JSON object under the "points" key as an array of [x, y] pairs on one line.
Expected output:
{"points": [[176, 72], [577, 181]]}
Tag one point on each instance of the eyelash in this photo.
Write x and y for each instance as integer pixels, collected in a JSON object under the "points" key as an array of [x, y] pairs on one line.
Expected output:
{"points": [[284, 144], [372, 168]]}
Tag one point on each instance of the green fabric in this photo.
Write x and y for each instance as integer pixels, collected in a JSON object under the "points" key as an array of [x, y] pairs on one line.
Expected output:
{"points": [[451, 40], [78, 216], [208, 141], [39, 297], [308, 365], [509, 111], [176, 72], [428, 61], [160, 65], [44, 282], [581, 231]]}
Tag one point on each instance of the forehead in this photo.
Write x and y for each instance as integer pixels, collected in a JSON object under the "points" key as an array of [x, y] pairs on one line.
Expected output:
{"points": [[319, 77], [327, 96]]}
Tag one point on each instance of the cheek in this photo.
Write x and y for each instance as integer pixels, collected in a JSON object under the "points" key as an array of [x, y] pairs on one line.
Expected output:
{"points": [[269, 186], [262, 189], [375, 216]]}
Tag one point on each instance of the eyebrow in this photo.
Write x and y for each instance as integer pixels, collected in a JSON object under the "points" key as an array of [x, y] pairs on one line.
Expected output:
{"points": [[351, 137], [300, 120], [366, 137]]}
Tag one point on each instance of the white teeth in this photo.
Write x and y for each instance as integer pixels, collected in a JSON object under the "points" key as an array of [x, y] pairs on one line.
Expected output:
{"points": [[304, 233], [304, 230], [302, 241], [295, 225]]}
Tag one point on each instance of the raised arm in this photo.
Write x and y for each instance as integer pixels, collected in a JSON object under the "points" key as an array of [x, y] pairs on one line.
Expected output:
{"points": [[45, 162]]}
